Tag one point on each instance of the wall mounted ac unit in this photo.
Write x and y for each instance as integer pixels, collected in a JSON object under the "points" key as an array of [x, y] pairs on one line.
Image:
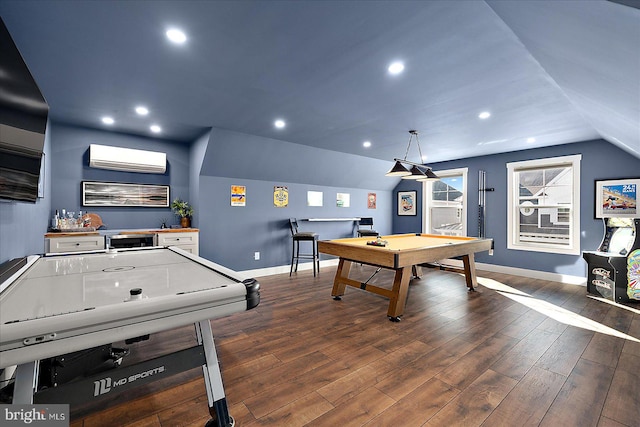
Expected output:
{"points": [[126, 159]]}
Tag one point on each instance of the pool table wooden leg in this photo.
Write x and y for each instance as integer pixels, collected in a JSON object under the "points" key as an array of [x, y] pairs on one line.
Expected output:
{"points": [[470, 271], [339, 285], [399, 293]]}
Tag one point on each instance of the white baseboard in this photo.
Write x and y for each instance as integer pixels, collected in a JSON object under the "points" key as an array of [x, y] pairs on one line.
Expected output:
{"points": [[281, 269], [533, 274]]}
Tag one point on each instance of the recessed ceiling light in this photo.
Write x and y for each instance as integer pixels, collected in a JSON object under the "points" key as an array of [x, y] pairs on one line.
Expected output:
{"points": [[143, 111], [279, 124], [108, 120], [366, 144], [396, 67], [176, 36], [155, 128], [484, 115], [530, 140]]}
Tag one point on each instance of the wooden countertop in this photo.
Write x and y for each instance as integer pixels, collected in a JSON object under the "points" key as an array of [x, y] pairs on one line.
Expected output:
{"points": [[162, 230], [72, 234], [140, 231]]}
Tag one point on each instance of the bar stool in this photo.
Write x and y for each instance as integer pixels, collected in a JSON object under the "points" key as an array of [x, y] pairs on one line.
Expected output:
{"points": [[303, 236], [366, 231]]}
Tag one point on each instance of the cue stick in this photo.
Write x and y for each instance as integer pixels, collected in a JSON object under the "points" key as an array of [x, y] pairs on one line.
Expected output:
{"points": [[482, 202]]}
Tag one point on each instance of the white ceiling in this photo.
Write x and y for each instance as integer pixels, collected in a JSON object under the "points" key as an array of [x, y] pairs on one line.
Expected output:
{"points": [[556, 71]]}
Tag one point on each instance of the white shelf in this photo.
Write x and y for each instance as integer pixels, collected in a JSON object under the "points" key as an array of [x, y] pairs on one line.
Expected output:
{"points": [[329, 219]]}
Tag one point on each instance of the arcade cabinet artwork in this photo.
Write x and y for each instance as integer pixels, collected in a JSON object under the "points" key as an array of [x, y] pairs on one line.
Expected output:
{"points": [[614, 268]]}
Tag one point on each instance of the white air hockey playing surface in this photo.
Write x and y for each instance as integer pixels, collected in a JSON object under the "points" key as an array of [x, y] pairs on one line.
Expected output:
{"points": [[64, 303]]}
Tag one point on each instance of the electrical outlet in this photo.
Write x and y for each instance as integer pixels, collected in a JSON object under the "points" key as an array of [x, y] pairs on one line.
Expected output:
{"points": [[256, 255]]}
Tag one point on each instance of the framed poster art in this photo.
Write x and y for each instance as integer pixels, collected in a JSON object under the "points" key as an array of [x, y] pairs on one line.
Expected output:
{"points": [[617, 198], [343, 200], [371, 200], [238, 195], [407, 203], [120, 194], [280, 196]]}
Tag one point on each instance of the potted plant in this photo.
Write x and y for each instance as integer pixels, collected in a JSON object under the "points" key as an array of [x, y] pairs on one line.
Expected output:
{"points": [[184, 210]]}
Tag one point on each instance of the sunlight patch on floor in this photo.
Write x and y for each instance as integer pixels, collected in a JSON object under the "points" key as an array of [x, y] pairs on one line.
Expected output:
{"points": [[551, 310], [608, 301]]}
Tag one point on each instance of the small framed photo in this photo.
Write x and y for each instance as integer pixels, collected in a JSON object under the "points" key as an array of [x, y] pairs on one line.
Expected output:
{"points": [[238, 195], [407, 203], [343, 200], [314, 198], [617, 198], [371, 201]]}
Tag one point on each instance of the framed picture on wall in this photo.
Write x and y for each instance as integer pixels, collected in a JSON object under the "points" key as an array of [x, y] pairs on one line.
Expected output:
{"points": [[371, 201], [121, 194], [407, 203], [314, 198], [617, 198], [280, 196], [343, 200], [238, 195]]}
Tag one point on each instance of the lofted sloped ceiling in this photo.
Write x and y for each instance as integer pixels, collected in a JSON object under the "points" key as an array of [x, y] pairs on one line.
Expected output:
{"points": [[592, 54], [549, 72]]}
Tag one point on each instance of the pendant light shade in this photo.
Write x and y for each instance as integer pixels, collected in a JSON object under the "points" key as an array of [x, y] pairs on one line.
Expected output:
{"points": [[429, 176], [418, 171], [398, 170]]}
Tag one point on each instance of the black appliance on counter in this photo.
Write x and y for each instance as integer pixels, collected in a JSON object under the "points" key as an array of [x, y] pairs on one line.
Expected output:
{"points": [[119, 241]]}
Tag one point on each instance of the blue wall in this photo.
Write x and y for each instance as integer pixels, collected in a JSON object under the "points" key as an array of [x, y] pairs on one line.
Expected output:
{"points": [[70, 166], [600, 160], [229, 235]]}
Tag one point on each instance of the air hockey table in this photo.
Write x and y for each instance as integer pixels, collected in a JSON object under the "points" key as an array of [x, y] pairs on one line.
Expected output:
{"points": [[61, 303]]}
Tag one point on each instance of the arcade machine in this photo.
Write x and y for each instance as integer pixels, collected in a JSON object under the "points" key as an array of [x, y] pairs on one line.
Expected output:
{"points": [[614, 269]]}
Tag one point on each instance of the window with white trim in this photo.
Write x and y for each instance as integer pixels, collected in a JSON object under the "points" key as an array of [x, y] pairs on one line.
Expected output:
{"points": [[543, 205], [445, 208]]}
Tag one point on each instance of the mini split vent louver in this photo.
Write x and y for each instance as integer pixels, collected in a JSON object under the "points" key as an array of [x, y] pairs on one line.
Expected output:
{"points": [[126, 159]]}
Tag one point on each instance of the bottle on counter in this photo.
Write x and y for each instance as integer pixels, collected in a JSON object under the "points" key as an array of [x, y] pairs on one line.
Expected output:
{"points": [[55, 220]]}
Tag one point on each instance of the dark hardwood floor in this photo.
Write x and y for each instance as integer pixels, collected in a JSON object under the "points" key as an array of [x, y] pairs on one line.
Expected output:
{"points": [[518, 352]]}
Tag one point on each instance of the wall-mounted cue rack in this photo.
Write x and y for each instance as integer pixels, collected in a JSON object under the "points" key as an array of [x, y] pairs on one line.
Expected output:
{"points": [[482, 203]]}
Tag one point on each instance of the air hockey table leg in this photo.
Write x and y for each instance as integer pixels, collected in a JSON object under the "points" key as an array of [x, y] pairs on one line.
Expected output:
{"points": [[25, 383], [218, 408]]}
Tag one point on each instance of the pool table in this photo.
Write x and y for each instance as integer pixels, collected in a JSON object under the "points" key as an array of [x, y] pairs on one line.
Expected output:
{"points": [[402, 253], [57, 304]]}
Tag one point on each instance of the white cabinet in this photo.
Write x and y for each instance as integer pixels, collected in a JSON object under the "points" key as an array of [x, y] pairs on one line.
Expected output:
{"points": [[73, 243], [186, 240], [78, 242]]}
